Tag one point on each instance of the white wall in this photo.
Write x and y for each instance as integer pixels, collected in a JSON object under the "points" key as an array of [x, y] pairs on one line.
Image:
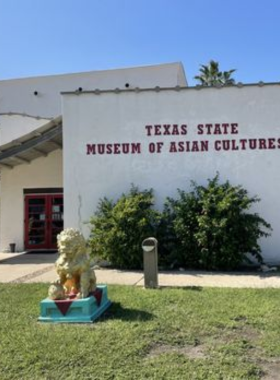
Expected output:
{"points": [[17, 95], [121, 118], [44, 172]]}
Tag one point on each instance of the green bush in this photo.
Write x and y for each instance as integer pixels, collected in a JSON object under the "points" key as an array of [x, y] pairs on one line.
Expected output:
{"points": [[118, 229], [212, 227], [208, 228], [177, 230]]}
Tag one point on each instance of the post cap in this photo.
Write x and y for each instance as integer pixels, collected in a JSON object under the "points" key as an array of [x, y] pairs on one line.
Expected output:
{"points": [[149, 244]]}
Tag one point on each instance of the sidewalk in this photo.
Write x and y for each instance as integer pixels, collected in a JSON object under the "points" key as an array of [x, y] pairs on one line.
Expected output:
{"points": [[28, 268]]}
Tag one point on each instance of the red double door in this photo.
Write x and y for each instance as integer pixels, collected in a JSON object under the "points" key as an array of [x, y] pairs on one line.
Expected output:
{"points": [[43, 220]]}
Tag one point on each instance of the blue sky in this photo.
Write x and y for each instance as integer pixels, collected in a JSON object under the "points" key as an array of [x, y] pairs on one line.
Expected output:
{"points": [[39, 37]]}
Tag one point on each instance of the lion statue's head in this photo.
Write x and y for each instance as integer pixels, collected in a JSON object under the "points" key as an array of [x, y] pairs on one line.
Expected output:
{"points": [[71, 242]]}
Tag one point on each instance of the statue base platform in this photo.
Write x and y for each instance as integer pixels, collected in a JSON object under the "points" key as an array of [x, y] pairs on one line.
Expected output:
{"points": [[85, 310]]}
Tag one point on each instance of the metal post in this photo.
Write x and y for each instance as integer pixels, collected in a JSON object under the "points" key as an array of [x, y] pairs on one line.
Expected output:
{"points": [[150, 256]]}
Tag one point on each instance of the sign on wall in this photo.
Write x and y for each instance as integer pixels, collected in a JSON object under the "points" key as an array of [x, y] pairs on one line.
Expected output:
{"points": [[227, 138]]}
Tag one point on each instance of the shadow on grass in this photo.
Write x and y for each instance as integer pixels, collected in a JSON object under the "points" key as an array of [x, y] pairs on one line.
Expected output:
{"points": [[117, 311], [182, 287]]}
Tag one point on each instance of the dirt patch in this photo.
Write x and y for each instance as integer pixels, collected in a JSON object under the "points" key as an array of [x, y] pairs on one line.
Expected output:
{"points": [[271, 370], [249, 333], [192, 352], [242, 331]]}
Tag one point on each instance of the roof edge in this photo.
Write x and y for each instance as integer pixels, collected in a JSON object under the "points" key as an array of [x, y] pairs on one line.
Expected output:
{"points": [[176, 88], [93, 71], [30, 135]]}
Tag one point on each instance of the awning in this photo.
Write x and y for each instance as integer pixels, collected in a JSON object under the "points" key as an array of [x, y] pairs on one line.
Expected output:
{"points": [[39, 142]]}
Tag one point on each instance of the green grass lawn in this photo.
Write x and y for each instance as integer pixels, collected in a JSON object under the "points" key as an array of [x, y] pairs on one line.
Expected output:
{"points": [[171, 333]]}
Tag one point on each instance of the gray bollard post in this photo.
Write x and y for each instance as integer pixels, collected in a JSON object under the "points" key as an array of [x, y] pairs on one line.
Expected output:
{"points": [[150, 256]]}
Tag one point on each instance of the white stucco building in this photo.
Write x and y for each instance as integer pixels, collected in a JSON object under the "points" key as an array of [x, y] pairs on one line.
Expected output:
{"points": [[141, 126], [31, 162]]}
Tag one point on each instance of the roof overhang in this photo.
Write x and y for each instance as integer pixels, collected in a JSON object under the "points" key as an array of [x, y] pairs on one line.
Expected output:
{"points": [[40, 142]]}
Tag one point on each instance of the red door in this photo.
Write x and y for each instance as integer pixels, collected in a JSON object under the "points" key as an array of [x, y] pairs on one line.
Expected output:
{"points": [[43, 220]]}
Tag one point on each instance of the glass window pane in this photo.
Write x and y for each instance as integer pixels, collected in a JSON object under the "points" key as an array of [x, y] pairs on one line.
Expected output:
{"points": [[36, 201]]}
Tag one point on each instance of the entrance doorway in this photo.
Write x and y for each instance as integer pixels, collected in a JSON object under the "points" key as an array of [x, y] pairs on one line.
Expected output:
{"points": [[43, 220]]}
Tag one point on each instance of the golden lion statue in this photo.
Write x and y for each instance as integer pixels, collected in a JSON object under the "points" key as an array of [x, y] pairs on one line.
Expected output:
{"points": [[75, 276]]}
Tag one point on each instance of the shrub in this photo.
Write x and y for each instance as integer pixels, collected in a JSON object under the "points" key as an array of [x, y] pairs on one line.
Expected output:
{"points": [[118, 229], [212, 227], [178, 245], [208, 228]]}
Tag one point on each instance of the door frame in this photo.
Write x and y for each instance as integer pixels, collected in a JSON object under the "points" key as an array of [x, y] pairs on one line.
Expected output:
{"points": [[48, 226]]}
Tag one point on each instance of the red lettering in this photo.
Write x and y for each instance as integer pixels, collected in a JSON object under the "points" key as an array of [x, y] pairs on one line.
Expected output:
{"points": [[109, 149], [152, 147], [225, 127], [157, 130], [252, 143], [200, 129], [234, 128], [226, 144], [90, 148], [195, 147], [159, 146], [173, 148], [175, 130], [149, 128], [243, 143], [184, 129], [262, 144], [135, 148], [101, 148], [166, 129], [125, 148], [208, 128], [181, 146], [217, 145], [117, 148], [271, 144], [234, 146], [217, 129], [204, 146]]}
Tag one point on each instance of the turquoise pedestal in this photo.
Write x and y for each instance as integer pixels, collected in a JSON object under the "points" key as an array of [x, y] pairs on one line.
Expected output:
{"points": [[85, 310]]}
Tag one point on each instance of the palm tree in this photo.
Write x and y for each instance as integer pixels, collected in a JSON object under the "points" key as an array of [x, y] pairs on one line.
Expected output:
{"points": [[210, 75]]}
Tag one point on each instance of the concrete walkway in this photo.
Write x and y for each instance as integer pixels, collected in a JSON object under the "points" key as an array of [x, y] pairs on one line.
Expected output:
{"points": [[28, 268]]}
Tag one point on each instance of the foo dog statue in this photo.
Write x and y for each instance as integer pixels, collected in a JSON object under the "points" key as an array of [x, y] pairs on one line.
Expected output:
{"points": [[75, 276]]}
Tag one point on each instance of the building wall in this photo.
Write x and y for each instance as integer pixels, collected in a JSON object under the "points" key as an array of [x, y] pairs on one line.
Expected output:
{"points": [[43, 172], [252, 112], [19, 103]]}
